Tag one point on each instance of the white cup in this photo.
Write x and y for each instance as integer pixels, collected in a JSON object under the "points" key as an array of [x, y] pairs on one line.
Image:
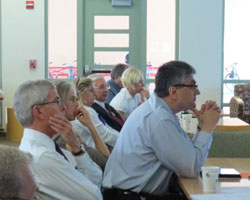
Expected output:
{"points": [[210, 176], [186, 122]]}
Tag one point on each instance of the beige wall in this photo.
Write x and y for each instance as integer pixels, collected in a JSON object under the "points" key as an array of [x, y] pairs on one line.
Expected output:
{"points": [[22, 39]]}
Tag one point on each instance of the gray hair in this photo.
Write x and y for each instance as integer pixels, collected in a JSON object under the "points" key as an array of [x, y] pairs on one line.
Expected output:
{"points": [[95, 77], [27, 95], [11, 163], [118, 70], [170, 74], [63, 88]]}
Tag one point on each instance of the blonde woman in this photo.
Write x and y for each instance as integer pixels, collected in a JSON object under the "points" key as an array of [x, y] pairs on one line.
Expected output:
{"points": [[129, 98], [85, 93]]}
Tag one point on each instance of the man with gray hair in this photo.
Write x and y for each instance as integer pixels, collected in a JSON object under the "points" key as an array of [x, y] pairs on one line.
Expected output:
{"points": [[154, 141], [115, 82], [59, 173], [105, 111], [16, 178]]}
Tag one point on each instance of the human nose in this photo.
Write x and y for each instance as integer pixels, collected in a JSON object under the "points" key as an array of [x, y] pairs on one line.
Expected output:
{"points": [[197, 92]]}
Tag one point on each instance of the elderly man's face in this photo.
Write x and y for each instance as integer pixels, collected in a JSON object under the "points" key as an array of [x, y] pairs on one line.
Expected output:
{"points": [[29, 186], [100, 90], [51, 107]]}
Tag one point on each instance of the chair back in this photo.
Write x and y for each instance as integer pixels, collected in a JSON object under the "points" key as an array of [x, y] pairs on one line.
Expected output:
{"points": [[236, 107], [14, 132]]}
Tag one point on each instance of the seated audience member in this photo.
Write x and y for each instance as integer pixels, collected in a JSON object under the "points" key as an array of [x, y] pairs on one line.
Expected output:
{"points": [[67, 94], [16, 178], [1, 95], [106, 112], [59, 173], [129, 98], [85, 93], [153, 139], [115, 82]]}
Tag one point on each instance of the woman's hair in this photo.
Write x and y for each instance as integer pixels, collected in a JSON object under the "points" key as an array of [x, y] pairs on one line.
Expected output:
{"points": [[82, 84], [130, 77], [63, 88]]}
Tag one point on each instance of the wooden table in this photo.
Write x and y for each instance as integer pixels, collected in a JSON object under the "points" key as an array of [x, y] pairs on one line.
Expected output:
{"points": [[227, 123], [194, 186]]}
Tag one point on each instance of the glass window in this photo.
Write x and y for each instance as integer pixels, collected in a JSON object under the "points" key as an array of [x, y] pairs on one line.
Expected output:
{"points": [[109, 57], [62, 39], [160, 34], [236, 68], [112, 22], [111, 40]]}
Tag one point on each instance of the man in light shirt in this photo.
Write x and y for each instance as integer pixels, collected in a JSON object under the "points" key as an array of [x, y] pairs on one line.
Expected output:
{"points": [[59, 173], [152, 146]]}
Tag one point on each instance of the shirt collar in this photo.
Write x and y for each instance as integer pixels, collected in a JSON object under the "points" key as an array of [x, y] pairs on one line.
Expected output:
{"points": [[100, 103], [40, 137]]}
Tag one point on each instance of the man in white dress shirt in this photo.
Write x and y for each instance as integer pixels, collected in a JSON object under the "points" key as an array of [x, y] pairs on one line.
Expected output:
{"points": [[59, 173]]}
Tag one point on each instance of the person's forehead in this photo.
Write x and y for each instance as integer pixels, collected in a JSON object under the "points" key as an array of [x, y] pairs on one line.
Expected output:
{"points": [[100, 81], [53, 94], [190, 79]]}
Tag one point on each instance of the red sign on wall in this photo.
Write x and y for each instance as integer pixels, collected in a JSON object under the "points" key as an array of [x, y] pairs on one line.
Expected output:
{"points": [[29, 4]]}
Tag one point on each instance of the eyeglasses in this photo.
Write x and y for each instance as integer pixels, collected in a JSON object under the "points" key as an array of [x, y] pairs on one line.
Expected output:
{"points": [[57, 101], [186, 85], [102, 87]]}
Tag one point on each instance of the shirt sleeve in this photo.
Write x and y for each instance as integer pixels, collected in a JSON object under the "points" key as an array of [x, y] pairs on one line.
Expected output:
{"points": [[177, 152], [87, 167], [61, 180], [108, 134], [119, 102]]}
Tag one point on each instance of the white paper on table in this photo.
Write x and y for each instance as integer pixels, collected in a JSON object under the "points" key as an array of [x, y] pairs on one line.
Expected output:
{"points": [[222, 196]]}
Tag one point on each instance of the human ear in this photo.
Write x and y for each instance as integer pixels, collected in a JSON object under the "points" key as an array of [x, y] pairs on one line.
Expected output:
{"points": [[173, 92]]}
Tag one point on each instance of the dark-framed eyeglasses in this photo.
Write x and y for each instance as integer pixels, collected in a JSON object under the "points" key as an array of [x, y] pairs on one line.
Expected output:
{"points": [[57, 101], [186, 85]]}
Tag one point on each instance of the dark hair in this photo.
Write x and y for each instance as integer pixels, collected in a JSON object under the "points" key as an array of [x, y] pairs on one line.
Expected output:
{"points": [[118, 70], [171, 73]]}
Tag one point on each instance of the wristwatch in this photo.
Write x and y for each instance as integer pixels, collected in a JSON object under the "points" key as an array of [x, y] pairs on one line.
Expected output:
{"points": [[82, 150]]}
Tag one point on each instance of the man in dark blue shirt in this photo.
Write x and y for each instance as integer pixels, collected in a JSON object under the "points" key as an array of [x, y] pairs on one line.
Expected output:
{"points": [[115, 83]]}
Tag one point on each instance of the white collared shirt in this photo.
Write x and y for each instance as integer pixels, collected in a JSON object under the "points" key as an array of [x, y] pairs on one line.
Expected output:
{"points": [[56, 177], [124, 102]]}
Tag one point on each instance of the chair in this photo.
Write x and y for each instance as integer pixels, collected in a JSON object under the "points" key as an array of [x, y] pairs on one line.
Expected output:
{"points": [[14, 128], [236, 107], [240, 103]]}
